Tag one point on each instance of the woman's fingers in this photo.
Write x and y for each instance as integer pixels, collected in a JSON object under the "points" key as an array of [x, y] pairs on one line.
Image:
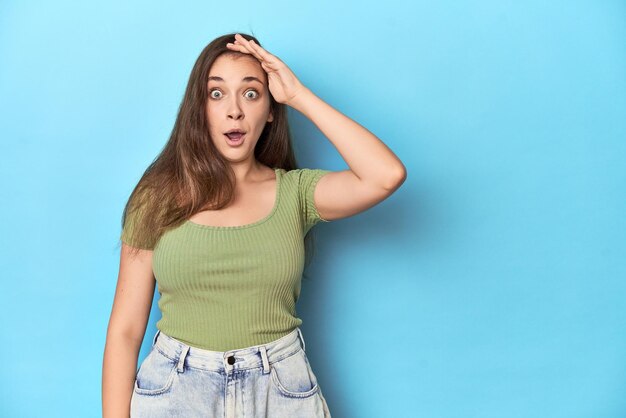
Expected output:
{"points": [[254, 48], [243, 41], [259, 50], [238, 47], [241, 48]]}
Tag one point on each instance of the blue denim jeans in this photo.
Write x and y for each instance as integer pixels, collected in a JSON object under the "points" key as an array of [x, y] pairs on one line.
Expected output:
{"points": [[268, 380]]}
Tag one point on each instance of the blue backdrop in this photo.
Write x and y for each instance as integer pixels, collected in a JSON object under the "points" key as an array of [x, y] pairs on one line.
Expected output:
{"points": [[491, 284]]}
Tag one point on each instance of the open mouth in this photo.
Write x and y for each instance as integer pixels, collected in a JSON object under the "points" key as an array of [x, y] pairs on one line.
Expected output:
{"points": [[235, 137]]}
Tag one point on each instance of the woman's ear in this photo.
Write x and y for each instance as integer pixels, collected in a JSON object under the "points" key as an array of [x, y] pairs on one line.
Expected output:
{"points": [[270, 118]]}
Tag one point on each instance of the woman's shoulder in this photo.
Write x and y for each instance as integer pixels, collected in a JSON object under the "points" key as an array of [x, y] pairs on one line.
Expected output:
{"points": [[302, 180], [300, 174]]}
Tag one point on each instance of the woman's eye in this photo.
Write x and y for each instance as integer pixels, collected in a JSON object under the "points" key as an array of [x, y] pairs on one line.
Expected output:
{"points": [[254, 94], [212, 94]]}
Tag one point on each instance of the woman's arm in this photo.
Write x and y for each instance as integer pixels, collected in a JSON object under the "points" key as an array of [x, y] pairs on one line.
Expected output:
{"points": [[375, 172], [127, 326], [366, 155]]}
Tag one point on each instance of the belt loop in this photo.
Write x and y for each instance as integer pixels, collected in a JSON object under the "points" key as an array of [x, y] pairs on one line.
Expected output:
{"points": [[181, 359], [155, 337], [266, 363], [301, 339]]}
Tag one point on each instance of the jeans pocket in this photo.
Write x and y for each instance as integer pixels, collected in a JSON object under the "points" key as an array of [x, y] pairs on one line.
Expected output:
{"points": [[155, 375], [293, 377]]}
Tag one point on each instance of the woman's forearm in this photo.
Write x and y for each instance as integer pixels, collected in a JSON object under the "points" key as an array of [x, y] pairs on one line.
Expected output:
{"points": [[118, 375], [366, 155]]}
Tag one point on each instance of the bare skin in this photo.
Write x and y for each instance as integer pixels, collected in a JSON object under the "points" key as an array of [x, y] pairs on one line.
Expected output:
{"points": [[253, 201]]}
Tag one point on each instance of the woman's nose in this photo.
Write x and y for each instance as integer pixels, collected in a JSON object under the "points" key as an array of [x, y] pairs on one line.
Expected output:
{"points": [[235, 111]]}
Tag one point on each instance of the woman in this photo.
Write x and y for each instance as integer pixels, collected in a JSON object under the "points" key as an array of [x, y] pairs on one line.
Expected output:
{"points": [[219, 221]]}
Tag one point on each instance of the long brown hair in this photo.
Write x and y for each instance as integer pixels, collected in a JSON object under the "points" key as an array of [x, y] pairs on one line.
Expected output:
{"points": [[190, 174]]}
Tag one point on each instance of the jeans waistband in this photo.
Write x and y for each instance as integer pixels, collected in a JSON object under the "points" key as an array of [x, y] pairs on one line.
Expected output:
{"points": [[255, 356]]}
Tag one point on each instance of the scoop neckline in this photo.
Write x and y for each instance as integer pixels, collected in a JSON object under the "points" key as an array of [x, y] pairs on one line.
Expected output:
{"points": [[259, 222]]}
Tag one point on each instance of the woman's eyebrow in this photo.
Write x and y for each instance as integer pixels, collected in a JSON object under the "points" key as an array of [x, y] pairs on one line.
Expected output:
{"points": [[247, 79]]}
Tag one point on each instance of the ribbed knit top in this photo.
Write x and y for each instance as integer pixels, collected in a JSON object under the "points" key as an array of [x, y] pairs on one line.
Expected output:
{"points": [[230, 287]]}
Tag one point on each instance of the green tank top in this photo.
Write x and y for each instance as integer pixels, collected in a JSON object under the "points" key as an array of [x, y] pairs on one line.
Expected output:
{"points": [[228, 287]]}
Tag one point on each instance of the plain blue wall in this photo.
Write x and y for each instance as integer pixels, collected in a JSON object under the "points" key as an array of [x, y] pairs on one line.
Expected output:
{"points": [[491, 284]]}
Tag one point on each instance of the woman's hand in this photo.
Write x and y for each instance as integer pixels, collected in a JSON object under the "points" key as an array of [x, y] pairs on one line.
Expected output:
{"points": [[283, 84]]}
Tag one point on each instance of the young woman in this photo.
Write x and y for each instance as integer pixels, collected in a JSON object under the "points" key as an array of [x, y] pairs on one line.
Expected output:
{"points": [[219, 221]]}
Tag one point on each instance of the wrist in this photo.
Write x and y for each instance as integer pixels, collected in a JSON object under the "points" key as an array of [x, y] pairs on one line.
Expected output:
{"points": [[300, 99]]}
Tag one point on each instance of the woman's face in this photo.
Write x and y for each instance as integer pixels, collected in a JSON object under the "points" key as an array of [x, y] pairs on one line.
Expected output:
{"points": [[238, 100]]}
